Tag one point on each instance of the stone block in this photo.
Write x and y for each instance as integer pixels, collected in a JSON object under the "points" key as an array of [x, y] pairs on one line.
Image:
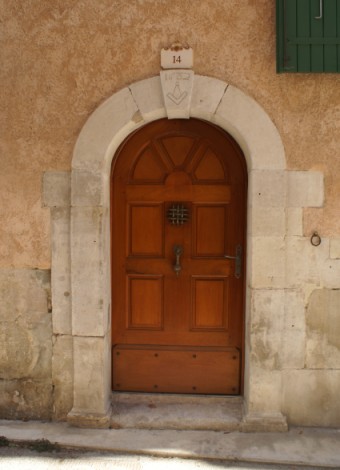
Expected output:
{"points": [[62, 376], [207, 94], [24, 293], [86, 188], [267, 262], [334, 248], [266, 221], [149, 98], [294, 218], [26, 399], [242, 116], [89, 287], [267, 188], [265, 390], [26, 349], [88, 266], [91, 385], [330, 273], [323, 329], [264, 422], [266, 325], [56, 189], [25, 333], [61, 271], [305, 262], [26, 346], [311, 397], [294, 331], [115, 114], [177, 88], [305, 189]]}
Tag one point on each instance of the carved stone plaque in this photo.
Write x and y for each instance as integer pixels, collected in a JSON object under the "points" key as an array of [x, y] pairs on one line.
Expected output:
{"points": [[177, 90], [177, 57], [177, 80]]}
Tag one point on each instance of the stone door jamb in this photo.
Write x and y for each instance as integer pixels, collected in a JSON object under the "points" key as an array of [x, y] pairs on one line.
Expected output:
{"points": [[81, 263]]}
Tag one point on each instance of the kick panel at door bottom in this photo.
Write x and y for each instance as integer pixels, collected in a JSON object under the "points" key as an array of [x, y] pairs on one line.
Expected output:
{"points": [[176, 370]]}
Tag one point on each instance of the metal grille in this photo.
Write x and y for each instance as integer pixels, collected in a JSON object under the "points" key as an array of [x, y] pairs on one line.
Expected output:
{"points": [[178, 214]]}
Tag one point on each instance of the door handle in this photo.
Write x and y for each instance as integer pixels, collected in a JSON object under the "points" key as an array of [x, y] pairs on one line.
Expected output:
{"points": [[178, 250], [320, 11], [238, 261]]}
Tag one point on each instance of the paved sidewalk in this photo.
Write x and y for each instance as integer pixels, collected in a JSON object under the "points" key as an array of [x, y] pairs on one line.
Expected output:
{"points": [[12, 458], [299, 446]]}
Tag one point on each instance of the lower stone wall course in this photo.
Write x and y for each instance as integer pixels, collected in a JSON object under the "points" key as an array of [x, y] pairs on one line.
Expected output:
{"points": [[311, 397], [62, 376], [26, 344], [293, 349], [323, 329], [26, 399]]}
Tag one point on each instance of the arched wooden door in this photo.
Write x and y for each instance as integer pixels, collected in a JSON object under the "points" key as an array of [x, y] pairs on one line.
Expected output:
{"points": [[178, 216]]}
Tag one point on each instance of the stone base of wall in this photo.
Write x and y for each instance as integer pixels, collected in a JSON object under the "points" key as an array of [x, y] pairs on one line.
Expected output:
{"points": [[62, 376], [88, 420], [26, 399], [264, 422], [36, 365], [30, 388]]}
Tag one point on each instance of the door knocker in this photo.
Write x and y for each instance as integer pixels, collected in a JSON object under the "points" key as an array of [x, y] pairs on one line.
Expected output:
{"points": [[178, 250]]}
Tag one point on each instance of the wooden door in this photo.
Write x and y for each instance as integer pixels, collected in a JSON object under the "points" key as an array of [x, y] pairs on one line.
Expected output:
{"points": [[178, 209]]}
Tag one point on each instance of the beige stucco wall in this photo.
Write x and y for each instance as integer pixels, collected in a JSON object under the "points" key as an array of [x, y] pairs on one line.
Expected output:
{"points": [[60, 61]]}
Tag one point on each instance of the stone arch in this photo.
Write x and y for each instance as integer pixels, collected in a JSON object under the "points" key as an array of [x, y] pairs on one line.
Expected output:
{"points": [[126, 111]]}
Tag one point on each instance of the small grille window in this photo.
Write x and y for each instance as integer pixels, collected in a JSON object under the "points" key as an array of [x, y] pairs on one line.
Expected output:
{"points": [[178, 214]]}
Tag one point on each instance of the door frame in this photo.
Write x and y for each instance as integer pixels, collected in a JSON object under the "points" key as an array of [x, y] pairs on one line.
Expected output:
{"points": [[127, 110]]}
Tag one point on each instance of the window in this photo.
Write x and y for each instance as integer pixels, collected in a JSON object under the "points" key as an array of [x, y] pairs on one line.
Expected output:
{"points": [[308, 35]]}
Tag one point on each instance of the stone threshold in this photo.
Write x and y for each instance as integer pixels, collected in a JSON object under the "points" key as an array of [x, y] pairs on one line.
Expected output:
{"points": [[176, 412]]}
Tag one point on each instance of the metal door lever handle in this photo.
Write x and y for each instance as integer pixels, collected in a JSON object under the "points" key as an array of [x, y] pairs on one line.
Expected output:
{"points": [[178, 250], [320, 11], [238, 261]]}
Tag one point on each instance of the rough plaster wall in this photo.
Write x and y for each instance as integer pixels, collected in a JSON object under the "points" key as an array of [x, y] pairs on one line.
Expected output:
{"points": [[61, 59]]}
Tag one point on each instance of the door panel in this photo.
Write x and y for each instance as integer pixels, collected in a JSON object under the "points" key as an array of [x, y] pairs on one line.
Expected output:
{"points": [[177, 316], [177, 149], [209, 301], [166, 370], [209, 168], [209, 231], [145, 302], [142, 241]]}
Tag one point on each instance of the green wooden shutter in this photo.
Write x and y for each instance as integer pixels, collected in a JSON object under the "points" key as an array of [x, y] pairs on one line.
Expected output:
{"points": [[305, 43]]}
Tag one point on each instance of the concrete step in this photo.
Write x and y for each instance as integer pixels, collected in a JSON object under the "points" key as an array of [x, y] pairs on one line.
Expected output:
{"points": [[180, 412]]}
